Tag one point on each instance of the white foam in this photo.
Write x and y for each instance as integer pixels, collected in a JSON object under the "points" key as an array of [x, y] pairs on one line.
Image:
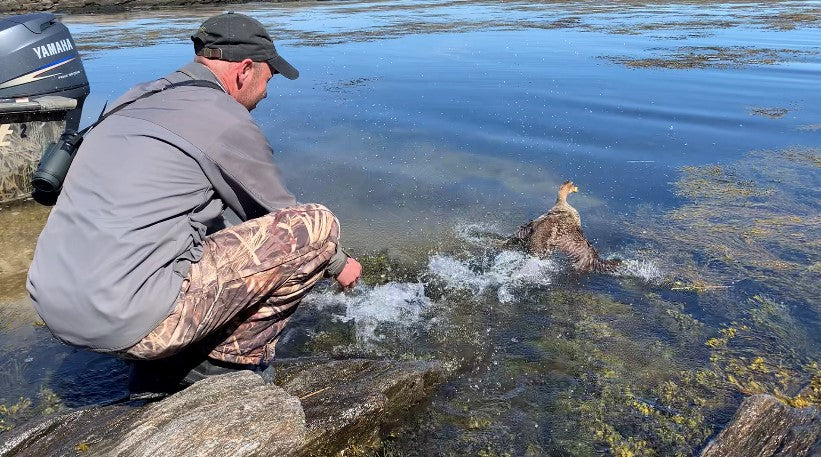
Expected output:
{"points": [[644, 269], [399, 305], [457, 274], [506, 270]]}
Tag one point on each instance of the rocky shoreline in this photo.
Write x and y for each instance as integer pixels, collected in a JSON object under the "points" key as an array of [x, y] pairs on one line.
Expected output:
{"points": [[97, 6], [317, 407]]}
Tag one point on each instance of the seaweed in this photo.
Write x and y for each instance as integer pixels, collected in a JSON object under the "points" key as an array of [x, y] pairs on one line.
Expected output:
{"points": [[772, 113], [756, 220], [765, 352], [690, 57], [25, 409]]}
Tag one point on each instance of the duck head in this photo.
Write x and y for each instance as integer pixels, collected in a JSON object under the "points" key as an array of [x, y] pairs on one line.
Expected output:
{"points": [[564, 190]]}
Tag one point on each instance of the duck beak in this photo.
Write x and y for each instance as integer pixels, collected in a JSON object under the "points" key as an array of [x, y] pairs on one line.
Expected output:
{"points": [[574, 189]]}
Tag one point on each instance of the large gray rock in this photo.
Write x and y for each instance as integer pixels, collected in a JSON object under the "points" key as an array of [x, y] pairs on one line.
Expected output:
{"points": [[235, 414], [763, 426], [346, 403]]}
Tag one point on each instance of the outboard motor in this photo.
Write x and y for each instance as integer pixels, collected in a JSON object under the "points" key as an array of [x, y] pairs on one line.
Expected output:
{"points": [[42, 89], [39, 59]]}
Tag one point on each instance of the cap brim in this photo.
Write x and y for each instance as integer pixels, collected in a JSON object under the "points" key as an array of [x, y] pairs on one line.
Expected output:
{"points": [[283, 67]]}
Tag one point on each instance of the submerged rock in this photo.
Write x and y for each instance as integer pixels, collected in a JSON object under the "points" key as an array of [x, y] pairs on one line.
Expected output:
{"points": [[765, 427], [321, 407]]}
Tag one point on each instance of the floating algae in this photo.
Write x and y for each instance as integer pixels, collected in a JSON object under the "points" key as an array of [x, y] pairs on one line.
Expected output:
{"points": [[754, 220], [689, 57], [772, 113], [593, 380]]}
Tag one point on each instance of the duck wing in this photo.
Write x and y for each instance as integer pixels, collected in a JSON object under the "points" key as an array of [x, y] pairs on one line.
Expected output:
{"points": [[570, 239], [524, 232]]}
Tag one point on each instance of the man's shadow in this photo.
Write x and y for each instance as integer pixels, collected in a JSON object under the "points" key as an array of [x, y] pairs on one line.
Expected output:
{"points": [[84, 378]]}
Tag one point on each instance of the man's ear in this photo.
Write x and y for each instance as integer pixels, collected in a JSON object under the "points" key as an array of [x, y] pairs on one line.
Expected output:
{"points": [[245, 72]]}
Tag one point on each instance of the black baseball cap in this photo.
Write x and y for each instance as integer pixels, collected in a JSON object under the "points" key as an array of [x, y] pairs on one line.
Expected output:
{"points": [[235, 37]]}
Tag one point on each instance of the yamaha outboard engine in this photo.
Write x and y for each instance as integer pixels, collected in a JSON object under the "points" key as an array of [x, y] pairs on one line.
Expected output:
{"points": [[42, 89], [39, 59]]}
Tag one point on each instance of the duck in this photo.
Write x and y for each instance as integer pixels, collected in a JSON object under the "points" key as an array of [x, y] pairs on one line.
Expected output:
{"points": [[561, 228]]}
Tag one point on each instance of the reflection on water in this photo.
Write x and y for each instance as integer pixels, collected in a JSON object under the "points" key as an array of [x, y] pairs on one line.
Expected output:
{"points": [[434, 129]]}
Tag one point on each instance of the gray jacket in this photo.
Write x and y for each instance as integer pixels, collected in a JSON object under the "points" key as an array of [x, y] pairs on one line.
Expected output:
{"points": [[145, 187]]}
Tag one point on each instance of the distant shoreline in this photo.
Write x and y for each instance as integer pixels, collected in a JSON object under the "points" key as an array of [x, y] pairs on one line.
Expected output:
{"points": [[11, 7]]}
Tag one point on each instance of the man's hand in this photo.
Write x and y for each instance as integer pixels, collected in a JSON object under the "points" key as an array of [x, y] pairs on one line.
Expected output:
{"points": [[350, 273]]}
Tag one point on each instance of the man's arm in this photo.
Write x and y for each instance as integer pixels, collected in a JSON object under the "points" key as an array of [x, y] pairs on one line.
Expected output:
{"points": [[246, 162]]}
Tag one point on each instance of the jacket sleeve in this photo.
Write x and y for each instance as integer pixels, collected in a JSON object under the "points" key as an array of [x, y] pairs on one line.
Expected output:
{"points": [[246, 162]]}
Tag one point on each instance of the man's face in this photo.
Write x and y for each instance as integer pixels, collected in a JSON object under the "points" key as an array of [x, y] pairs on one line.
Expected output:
{"points": [[256, 87]]}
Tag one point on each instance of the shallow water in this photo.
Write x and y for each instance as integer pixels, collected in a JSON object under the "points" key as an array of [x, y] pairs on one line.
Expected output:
{"points": [[434, 129]]}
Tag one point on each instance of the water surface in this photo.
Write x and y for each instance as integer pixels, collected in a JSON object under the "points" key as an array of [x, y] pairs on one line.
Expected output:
{"points": [[433, 129]]}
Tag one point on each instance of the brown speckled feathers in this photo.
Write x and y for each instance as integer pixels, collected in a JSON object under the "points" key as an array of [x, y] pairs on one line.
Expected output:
{"points": [[560, 228]]}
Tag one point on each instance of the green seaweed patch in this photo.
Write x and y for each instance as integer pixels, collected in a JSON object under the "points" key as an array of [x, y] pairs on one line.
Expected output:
{"points": [[605, 376], [791, 20], [25, 409], [625, 389], [717, 181], [811, 394], [766, 351], [755, 219], [696, 285], [9, 414], [803, 155], [332, 340], [772, 113], [700, 26], [628, 404], [680, 326], [690, 57]]}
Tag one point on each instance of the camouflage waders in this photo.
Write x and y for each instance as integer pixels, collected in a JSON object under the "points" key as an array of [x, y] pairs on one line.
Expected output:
{"points": [[248, 283]]}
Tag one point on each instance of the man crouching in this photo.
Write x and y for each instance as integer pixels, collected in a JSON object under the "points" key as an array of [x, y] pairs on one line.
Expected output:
{"points": [[174, 236]]}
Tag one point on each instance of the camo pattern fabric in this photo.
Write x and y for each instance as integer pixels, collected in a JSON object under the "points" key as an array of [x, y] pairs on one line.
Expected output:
{"points": [[247, 285]]}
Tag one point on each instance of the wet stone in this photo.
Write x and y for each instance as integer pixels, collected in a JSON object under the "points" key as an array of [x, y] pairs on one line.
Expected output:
{"points": [[348, 402], [765, 427], [236, 414], [320, 407]]}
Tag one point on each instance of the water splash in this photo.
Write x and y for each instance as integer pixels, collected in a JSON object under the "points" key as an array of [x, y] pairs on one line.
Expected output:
{"points": [[393, 307], [647, 270], [480, 234], [506, 270]]}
